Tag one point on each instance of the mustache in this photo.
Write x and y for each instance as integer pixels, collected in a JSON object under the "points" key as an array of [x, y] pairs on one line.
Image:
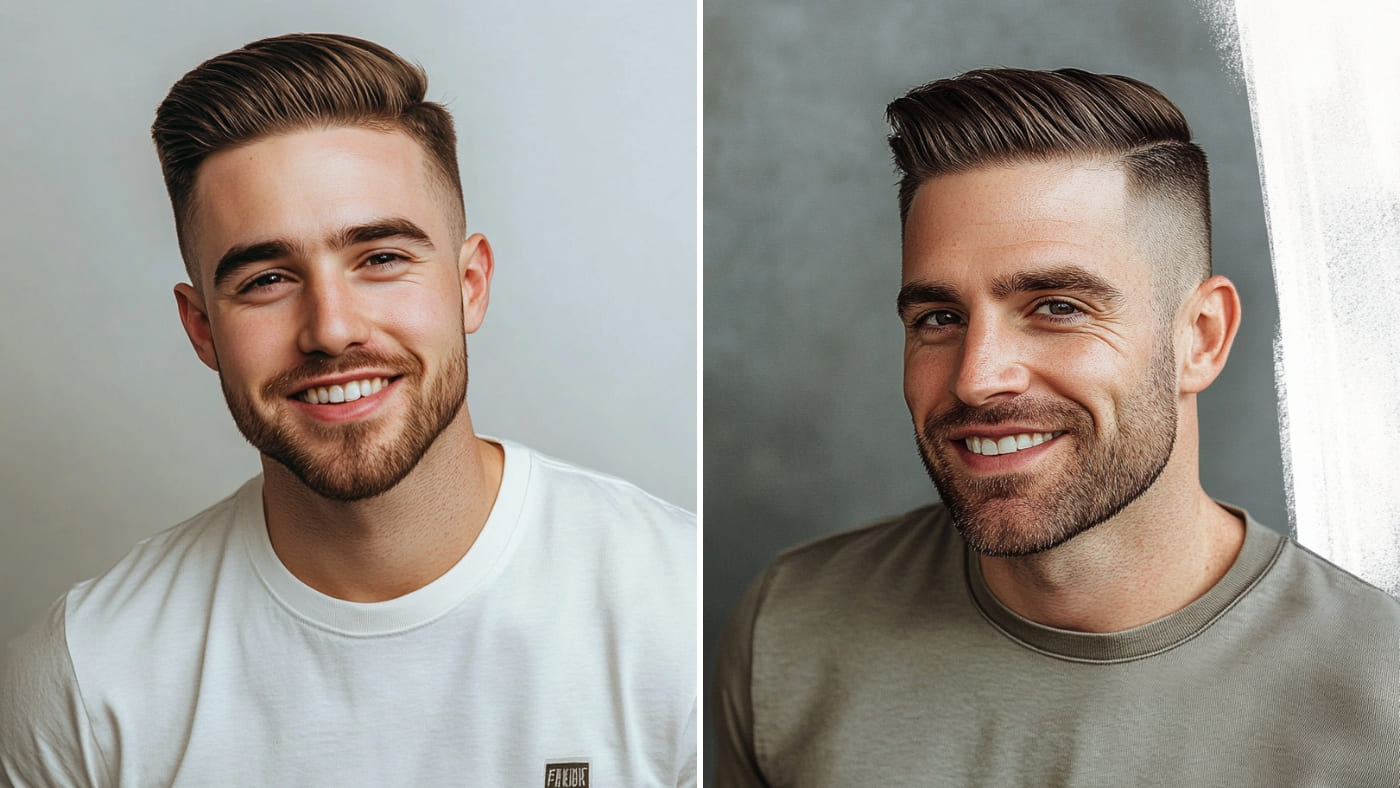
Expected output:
{"points": [[1061, 415], [292, 380]]}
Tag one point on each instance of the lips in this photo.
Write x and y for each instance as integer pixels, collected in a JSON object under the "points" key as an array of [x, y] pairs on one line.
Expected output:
{"points": [[991, 446], [326, 380], [343, 392]]}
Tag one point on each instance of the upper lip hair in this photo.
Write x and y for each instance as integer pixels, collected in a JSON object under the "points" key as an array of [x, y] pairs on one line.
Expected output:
{"points": [[998, 431], [344, 377]]}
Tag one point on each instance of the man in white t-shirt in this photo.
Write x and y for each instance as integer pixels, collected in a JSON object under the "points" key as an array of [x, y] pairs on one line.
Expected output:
{"points": [[395, 600]]}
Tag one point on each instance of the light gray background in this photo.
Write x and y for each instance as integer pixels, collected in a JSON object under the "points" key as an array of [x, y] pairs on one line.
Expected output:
{"points": [[577, 129], [806, 431]]}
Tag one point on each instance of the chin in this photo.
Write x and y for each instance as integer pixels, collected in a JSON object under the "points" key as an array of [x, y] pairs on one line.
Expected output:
{"points": [[1010, 527]]}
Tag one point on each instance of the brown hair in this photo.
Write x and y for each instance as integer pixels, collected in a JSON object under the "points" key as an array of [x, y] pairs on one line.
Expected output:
{"points": [[1006, 115], [289, 83]]}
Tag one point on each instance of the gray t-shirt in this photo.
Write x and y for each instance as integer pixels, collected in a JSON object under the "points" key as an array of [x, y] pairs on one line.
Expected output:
{"points": [[879, 657]]}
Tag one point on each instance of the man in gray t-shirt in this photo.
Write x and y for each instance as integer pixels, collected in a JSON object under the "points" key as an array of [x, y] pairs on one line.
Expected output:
{"points": [[1077, 611]]}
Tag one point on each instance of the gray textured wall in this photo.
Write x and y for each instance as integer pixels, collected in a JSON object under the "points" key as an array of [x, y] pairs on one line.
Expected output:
{"points": [[576, 127], [806, 431]]}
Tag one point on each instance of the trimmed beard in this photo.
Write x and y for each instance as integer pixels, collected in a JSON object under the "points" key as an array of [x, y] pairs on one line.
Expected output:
{"points": [[353, 461], [1020, 514]]}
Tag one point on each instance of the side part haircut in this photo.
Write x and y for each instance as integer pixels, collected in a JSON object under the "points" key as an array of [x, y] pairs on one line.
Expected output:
{"points": [[1000, 116], [293, 83]]}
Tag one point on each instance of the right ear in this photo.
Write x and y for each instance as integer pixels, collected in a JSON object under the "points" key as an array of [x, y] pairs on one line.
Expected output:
{"points": [[196, 321]]}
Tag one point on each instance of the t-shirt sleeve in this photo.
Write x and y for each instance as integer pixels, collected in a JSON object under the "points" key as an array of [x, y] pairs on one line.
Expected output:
{"points": [[737, 763], [45, 738]]}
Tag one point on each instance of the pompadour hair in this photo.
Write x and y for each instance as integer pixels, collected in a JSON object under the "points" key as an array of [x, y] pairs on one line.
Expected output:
{"points": [[293, 83], [998, 116]]}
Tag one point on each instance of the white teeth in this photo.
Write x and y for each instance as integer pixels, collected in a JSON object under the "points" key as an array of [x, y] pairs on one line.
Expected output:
{"points": [[991, 447], [348, 392]]}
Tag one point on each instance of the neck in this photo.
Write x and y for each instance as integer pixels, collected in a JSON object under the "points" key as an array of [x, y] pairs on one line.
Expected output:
{"points": [[1161, 553], [389, 545]]}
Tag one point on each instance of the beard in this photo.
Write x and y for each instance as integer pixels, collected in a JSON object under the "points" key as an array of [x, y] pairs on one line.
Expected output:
{"points": [[351, 461], [1020, 514]]}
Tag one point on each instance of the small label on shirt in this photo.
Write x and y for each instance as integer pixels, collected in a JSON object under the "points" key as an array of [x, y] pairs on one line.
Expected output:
{"points": [[566, 775]]}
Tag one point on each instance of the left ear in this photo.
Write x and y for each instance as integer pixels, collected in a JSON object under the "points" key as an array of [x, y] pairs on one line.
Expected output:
{"points": [[1212, 312], [475, 265]]}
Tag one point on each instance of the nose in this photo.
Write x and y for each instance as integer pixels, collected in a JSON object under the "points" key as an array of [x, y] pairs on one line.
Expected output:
{"points": [[333, 318], [992, 366]]}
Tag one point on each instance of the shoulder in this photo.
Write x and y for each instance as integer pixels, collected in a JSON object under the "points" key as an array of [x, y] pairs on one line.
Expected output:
{"points": [[1308, 587], [1331, 636], [582, 521], [164, 569], [44, 725], [630, 559], [887, 549], [59, 677], [848, 576], [575, 499], [592, 489], [834, 594], [1332, 642], [160, 592]]}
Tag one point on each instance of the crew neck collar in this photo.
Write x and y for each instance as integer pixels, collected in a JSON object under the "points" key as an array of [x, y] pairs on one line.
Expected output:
{"points": [[1260, 550], [416, 608]]}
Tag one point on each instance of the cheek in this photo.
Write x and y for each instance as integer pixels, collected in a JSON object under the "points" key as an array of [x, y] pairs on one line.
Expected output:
{"points": [[427, 327], [250, 346], [926, 376], [1094, 376], [418, 320], [1090, 364], [425, 307]]}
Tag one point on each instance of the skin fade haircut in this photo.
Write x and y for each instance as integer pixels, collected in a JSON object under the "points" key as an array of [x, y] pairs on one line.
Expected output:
{"points": [[291, 83], [1001, 116], [303, 83], [1006, 117]]}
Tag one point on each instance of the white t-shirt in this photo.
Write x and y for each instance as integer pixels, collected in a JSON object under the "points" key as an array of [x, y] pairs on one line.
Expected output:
{"points": [[559, 651]]}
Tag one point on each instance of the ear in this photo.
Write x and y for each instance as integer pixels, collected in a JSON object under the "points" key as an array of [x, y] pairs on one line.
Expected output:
{"points": [[1213, 317], [196, 321], [475, 266]]}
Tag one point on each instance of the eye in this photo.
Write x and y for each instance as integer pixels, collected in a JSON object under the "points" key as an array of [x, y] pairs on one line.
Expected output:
{"points": [[263, 281], [384, 266], [1058, 309], [940, 317], [385, 259]]}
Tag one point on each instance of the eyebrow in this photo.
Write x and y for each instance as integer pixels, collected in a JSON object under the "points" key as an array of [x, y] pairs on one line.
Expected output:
{"points": [[924, 292], [243, 255], [395, 227], [1066, 278], [1069, 278]]}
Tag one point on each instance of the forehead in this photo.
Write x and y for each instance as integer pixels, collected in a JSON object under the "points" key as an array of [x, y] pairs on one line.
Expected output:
{"points": [[301, 184], [993, 221]]}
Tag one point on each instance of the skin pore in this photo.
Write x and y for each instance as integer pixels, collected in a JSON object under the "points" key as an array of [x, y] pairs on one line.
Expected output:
{"points": [[1027, 301], [336, 262]]}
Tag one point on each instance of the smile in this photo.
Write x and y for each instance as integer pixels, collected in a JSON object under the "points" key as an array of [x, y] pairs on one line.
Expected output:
{"points": [[1007, 444], [344, 392]]}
